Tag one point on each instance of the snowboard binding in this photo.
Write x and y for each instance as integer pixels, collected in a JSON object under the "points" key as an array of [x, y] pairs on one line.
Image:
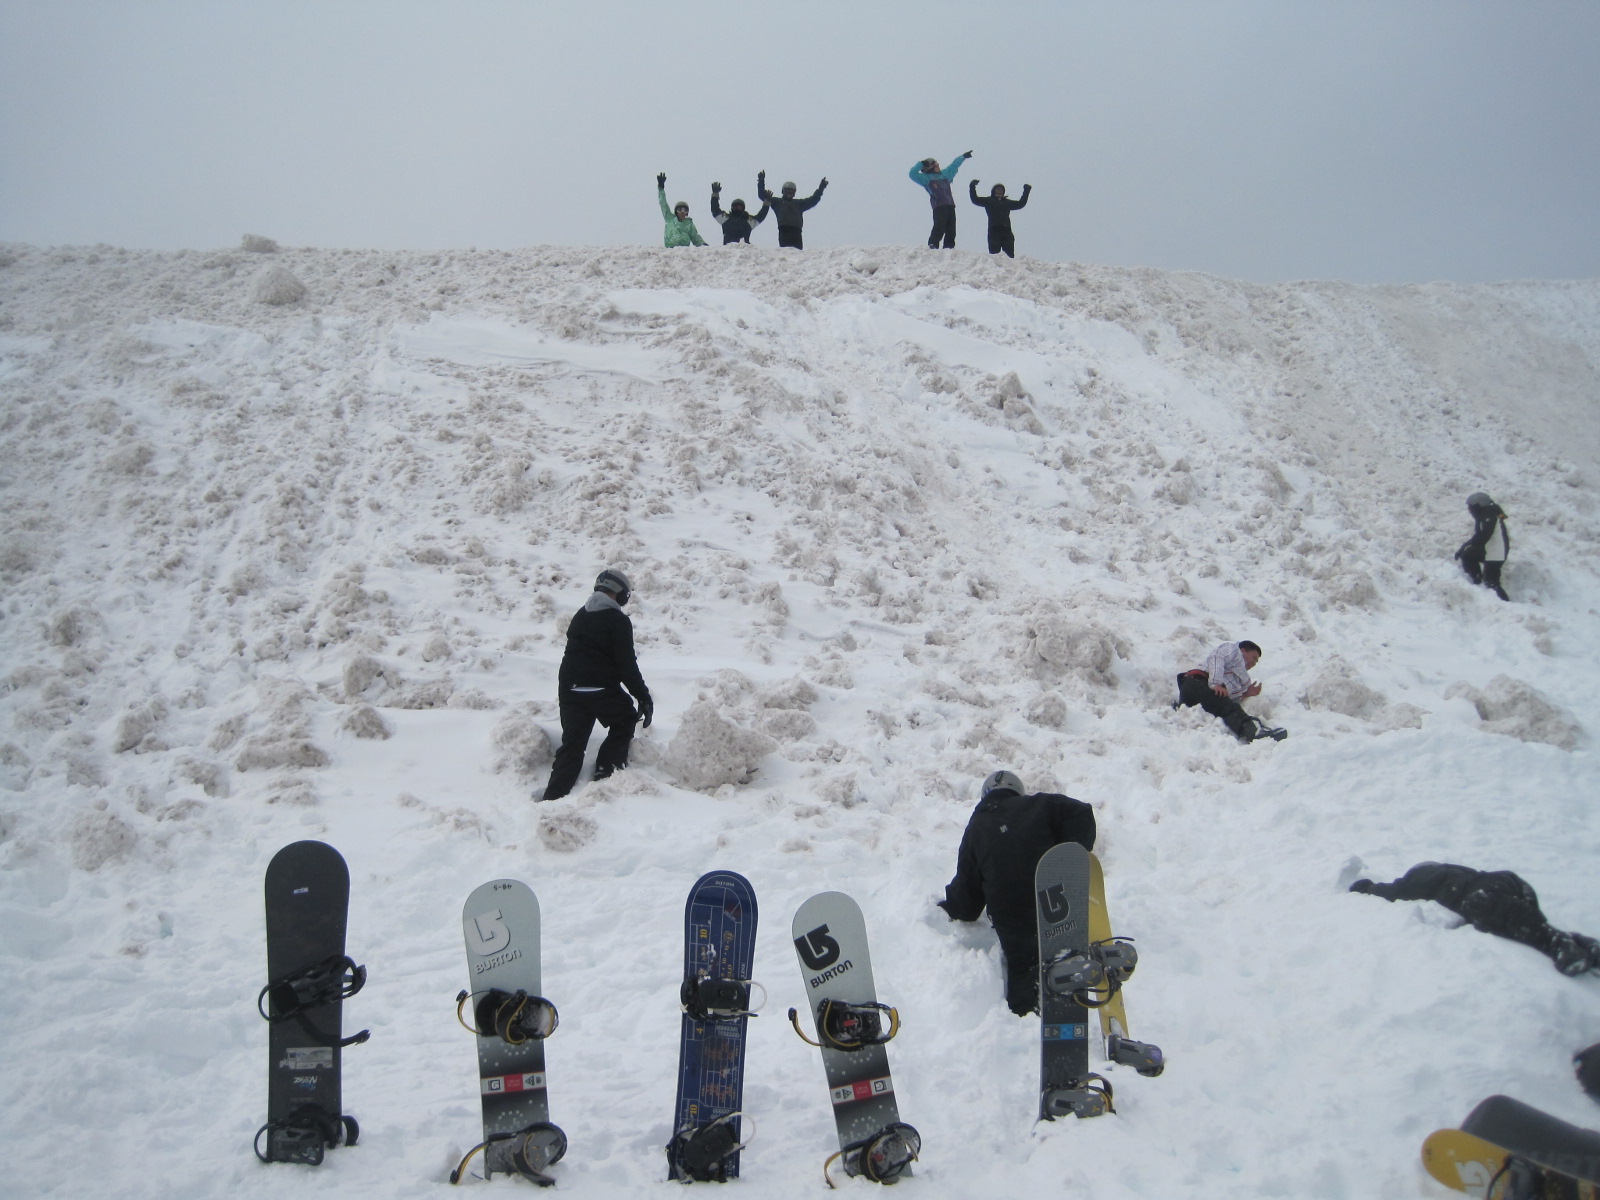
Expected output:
{"points": [[1144, 1057], [1089, 1097], [1518, 1179], [848, 1026], [882, 1158], [304, 1135], [1093, 977], [701, 1154], [330, 981], [526, 1152], [707, 999], [513, 1017]]}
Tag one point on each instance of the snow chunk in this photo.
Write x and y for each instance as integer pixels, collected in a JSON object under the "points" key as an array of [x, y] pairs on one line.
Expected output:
{"points": [[256, 244], [100, 837], [709, 751], [523, 745], [277, 285], [1065, 645], [1516, 709]]}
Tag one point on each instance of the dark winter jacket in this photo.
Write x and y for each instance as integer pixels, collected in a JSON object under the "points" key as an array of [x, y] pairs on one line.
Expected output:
{"points": [[1490, 540], [600, 651], [1005, 838], [790, 210], [736, 226], [999, 208]]}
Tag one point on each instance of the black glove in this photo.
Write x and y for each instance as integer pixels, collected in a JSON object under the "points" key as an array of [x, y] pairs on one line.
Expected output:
{"points": [[823, 186], [716, 187], [968, 154], [647, 709], [661, 181]]}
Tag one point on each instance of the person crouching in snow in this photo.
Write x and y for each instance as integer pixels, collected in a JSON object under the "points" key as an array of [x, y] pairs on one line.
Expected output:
{"points": [[1484, 553], [680, 230], [736, 223], [1221, 683]]}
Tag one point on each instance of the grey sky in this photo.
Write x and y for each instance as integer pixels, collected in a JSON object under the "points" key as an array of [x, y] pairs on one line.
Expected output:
{"points": [[1392, 140]]}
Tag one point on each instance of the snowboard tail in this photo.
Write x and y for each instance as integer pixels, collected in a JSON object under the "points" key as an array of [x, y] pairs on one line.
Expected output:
{"points": [[1507, 1150]]}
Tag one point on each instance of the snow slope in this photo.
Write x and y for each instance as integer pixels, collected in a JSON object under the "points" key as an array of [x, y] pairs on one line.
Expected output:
{"points": [[278, 568]]}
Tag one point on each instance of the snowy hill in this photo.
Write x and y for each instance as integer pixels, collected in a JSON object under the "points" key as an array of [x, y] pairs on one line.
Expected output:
{"points": [[292, 537]]}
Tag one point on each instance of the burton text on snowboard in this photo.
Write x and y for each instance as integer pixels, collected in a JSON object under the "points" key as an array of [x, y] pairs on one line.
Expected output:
{"points": [[719, 943], [505, 1007], [309, 977], [852, 1029]]}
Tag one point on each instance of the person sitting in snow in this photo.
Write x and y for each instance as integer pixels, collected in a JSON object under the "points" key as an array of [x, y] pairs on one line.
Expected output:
{"points": [[1497, 902], [999, 207], [1219, 685], [680, 230], [790, 212], [736, 222], [1005, 838], [1484, 553], [598, 664], [928, 174]]}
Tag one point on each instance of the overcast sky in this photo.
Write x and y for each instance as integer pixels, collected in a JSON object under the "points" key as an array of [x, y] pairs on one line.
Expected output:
{"points": [[1367, 140]]}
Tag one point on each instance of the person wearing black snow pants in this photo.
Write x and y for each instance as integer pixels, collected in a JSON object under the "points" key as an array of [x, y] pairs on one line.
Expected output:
{"points": [[1006, 836], [1497, 902], [789, 211], [1221, 683], [926, 173], [598, 664], [1483, 555], [999, 208]]}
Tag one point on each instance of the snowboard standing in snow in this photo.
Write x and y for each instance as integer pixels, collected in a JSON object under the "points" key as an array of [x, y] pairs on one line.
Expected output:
{"points": [[504, 1007], [852, 1029], [1119, 1048], [719, 942], [309, 978], [1508, 1150], [1067, 973]]}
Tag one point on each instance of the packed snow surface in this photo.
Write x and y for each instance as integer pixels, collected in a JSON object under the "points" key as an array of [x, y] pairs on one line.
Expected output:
{"points": [[292, 537]]}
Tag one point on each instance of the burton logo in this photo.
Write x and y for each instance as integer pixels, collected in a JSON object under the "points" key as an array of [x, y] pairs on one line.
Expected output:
{"points": [[1053, 904], [817, 949], [487, 933]]}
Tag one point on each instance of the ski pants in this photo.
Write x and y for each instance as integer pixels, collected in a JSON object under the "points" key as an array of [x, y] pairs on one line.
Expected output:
{"points": [[1482, 571], [579, 712], [1194, 688], [1002, 240], [944, 228], [789, 235]]}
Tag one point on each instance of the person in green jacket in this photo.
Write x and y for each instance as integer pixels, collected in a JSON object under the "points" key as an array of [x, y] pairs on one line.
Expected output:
{"points": [[680, 230]]}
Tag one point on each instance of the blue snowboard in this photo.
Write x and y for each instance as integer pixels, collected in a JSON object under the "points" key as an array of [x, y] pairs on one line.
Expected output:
{"points": [[719, 926]]}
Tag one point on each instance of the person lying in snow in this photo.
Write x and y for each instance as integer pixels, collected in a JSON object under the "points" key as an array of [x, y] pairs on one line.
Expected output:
{"points": [[1498, 902], [1005, 838], [1219, 685], [1483, 555], [680, 230]]}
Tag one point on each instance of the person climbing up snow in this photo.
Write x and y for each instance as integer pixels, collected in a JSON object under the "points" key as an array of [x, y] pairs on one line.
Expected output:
{"points": [[598, 664], [680, 230], [737, 223], [1220, 683], [1005, 838], [787, 210], [1484, 554], [927, 174], [1497, 902], [999, 207]]}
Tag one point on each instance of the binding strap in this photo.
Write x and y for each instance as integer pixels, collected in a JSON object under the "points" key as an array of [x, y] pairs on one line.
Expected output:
{"points": [[882, 1158], [513, 1017], [850, 1025], [526, 1151], [702, 1153], [304, 1134]]}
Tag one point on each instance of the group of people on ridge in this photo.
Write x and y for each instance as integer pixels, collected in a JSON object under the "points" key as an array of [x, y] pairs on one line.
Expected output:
{"points": [[737, 222]]}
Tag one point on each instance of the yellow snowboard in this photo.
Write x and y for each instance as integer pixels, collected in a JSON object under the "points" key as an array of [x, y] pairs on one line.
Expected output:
{"points": [[1113, 1016], [1468, 1163]]}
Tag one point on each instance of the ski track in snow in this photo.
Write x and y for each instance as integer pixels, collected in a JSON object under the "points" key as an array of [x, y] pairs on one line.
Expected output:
{"points": [[302, 570]]}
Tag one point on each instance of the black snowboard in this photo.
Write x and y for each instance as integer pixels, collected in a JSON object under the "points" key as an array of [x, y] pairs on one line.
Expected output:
{"points": [[309, 977]]}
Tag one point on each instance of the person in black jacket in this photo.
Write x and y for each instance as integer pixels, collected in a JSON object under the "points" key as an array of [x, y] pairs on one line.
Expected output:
{"points": [[598, 664], [790, 211], [1497, 902], [736, 223], [999, 208], [1484, 553], [1005, 838]]}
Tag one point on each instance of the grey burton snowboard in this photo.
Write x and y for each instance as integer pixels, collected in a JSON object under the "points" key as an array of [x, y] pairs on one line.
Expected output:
{"points": [[1066, 973]]}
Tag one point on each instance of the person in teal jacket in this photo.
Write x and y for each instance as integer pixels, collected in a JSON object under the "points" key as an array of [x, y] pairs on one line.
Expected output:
{"points": [[680, 230], [927, 174]]}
